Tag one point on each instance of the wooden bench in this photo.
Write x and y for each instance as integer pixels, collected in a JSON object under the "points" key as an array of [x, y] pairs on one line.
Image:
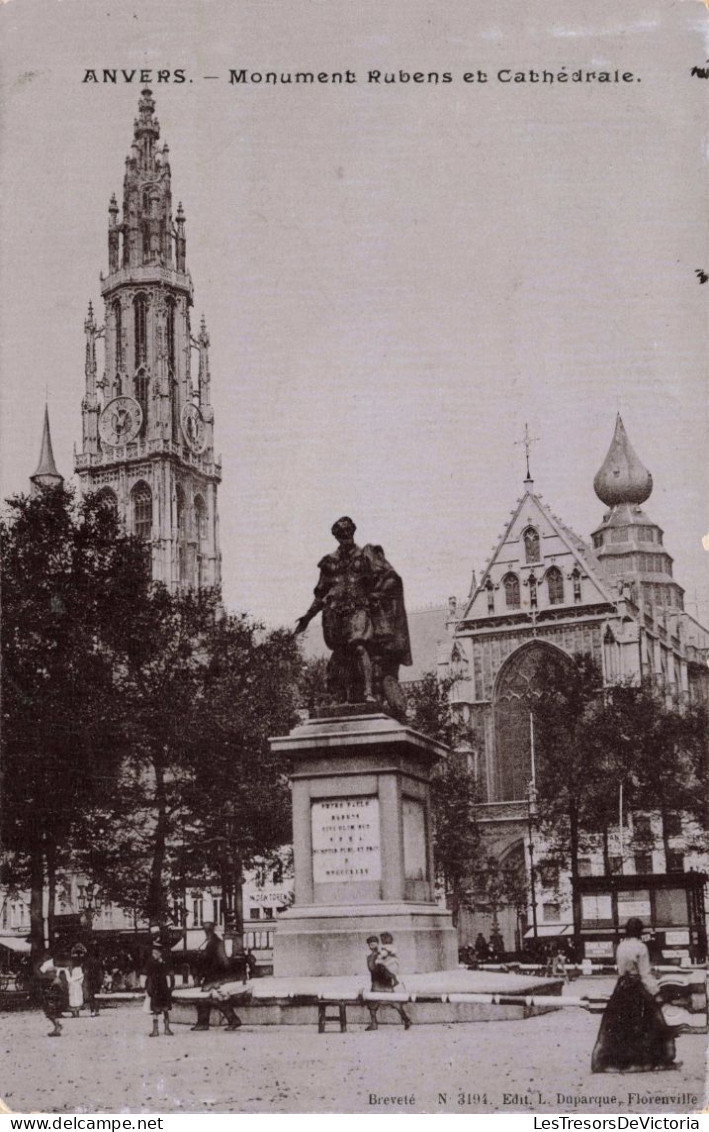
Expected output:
{"points": [[340, 1016]]}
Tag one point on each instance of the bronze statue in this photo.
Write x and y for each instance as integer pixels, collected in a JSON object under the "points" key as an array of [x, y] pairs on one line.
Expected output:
{"points": [[364, 621]]}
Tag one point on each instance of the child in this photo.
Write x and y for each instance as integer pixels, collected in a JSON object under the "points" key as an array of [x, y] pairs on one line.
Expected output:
{"points": [[388, 958], [158, 987], [384, 978]]}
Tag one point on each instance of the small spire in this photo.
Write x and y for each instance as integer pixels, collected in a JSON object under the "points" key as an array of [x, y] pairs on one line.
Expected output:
{"points": [[527, 441], [622, 478], [46, 474]]}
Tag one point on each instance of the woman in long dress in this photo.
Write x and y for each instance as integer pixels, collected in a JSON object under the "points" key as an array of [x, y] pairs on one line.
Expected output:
{"points": [[633, 1036], [75, 979]]}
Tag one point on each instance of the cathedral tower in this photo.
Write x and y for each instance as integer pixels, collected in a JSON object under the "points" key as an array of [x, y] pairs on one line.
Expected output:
{"points": [[628, 545], [148, 427]]}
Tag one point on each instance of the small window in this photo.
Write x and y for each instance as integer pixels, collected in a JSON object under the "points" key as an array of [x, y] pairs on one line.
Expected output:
{"points": [[585, 867], [198, 912], [555, 584], [642, 827], [673, 824], [268, 913], [531, 545], [616, 864], [552, 913], [643, 862], [255, 914], [511, 584], [675, 861], [549, 875]]}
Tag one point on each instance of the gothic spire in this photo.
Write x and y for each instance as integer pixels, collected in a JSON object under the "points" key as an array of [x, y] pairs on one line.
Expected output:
{"points": [[147, 227], [622, 478], [46, 474]]}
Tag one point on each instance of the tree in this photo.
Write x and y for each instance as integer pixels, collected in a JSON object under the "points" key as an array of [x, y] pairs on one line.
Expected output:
{"points": [[201, 692], [238, 800], [592, 740], [64, 567], [457, 846], [570, 776]]}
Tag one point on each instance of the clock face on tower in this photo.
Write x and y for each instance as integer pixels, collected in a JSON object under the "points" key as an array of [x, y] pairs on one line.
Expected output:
{"points": [[193, 428], [120, 421]]}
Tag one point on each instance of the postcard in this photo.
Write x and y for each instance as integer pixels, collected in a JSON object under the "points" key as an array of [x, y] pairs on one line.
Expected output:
{"points": [[441, 270]]}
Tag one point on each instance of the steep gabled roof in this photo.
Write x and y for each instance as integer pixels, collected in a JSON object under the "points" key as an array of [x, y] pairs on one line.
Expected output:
{"points": [[573, 544]]}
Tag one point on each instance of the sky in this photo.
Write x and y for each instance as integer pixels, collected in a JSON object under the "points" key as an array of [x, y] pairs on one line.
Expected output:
{"points": [[395, 277]]}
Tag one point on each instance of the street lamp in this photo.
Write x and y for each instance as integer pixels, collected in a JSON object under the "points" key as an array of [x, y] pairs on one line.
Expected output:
{"points": [[232, 887], [90, 902], [532, 812]]}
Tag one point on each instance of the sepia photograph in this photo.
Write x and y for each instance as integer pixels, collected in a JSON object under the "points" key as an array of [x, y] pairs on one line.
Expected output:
{"points": [[354, 602]]}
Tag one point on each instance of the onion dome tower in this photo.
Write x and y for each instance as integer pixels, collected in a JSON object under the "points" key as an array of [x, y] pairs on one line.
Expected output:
{"points": [[46, 475], [628, 544]]}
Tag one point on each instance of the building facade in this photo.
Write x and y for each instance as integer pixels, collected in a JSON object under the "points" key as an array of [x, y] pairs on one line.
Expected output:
{"points": [[147, 421], [545, 595]]}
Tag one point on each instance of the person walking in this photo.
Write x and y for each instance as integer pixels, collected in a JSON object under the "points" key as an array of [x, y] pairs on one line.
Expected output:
{"points": [[159, 985], [633, 1036], [214, 972], [383, 966], [51, 994]]}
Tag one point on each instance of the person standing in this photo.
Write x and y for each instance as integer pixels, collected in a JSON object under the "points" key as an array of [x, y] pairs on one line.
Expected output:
{"points": [[482, 951], [159, 985], [379, 960], [214, 972], [93, 979], [633, 1035], [75, 979]]}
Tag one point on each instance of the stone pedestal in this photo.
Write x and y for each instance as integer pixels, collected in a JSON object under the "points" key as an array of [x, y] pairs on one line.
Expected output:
{"points": [[362, 848]]}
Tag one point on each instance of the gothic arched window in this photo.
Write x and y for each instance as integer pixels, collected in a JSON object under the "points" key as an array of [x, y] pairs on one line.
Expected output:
{"points": [[555, 584], [200, 518], [520, 685], [142, 500], [170, 328], [531, 545], [118, 330], [141, 396], [511, 584], [140, 314]]}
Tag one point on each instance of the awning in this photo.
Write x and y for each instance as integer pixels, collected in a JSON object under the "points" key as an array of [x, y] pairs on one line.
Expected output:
{"points": [[546, 930], [14, 943]]}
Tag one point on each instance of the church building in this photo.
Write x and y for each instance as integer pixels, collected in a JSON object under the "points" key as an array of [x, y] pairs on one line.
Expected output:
{"points": [[147, 422], [545, 595]]}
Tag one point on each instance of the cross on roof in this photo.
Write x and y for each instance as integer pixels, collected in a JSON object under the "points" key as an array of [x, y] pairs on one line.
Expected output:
{"points": [[527, 441]]}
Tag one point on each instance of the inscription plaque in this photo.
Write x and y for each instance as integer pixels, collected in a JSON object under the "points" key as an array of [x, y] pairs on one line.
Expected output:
{"points": [[345, 840]]}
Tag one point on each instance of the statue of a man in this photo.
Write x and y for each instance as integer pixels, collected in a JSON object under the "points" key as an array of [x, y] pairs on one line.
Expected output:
{"points": [[364, 621]]}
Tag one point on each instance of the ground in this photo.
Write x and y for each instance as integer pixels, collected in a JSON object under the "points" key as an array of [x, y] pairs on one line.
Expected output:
{"points": [[108, 1064]]}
